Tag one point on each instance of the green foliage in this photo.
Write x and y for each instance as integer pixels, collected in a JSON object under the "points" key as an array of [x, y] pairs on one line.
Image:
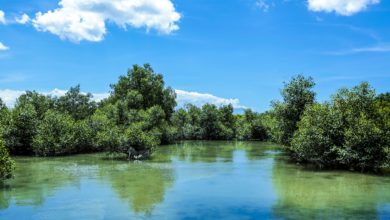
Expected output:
{"points": [[270, 124], [188, 123], [21, 128], [22, 122], [228, 122], [297, 94], [382, 103], [209, 121], [78, 105], [40, 102], [352, 131], [251, 127], [137, 138], [140, 110], [343, 134], [55, 135], [7, 165], [142, 88], [4, 114], [206, 123], [314, 141], [59, 134], [387, 153], [103, 124], [137, 116], [84, 136], [181, 119], [134, 140], [108, 135]]}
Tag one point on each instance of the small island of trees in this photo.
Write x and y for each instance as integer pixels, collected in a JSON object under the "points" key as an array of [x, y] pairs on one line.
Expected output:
{"points": [[350, 131]]}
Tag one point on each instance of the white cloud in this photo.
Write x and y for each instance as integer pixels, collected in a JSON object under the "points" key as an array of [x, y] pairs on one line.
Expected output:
{"points": [[9, 96], [341, 7], [183, 97], [263, 5], [3, 47], [23, 19], [2, 21], [78, 20], [199, 99], [372, 49], [2, 17]]}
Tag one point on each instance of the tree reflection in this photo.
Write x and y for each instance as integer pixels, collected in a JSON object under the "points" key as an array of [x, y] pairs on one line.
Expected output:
{"points": [[140, 184], [34, 180], [212, 151], [304, 194]]}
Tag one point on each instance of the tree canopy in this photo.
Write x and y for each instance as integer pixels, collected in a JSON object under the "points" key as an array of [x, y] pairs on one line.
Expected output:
{"points": [[297, 94]]}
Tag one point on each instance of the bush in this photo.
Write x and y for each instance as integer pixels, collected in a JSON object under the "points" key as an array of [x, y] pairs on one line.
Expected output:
{"points": [[83, 136], [109, 139], [55, 135], [7, 165], [138, 139], [20, 130], [315, 138], [250, 127], [344, 134]]}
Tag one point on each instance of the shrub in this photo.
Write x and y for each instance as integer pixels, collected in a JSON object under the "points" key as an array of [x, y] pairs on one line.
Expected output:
{"points": [[343, 134], [7, 165], [55, 135]]}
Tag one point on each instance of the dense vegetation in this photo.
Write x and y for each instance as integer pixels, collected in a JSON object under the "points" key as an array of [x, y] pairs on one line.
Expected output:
{"points": [[219, 123], [297, 94], [133, 120], [6, 163], [351, 131]]}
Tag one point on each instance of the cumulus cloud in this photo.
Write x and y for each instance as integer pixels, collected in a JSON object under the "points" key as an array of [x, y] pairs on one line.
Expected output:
{"points": [[183, 97], [78, 20], [2, 17], [341, 7], [23, 19], [3, 47], [199, 99], [9, 96]]}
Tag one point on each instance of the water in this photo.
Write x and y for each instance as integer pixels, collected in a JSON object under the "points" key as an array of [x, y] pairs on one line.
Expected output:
{"points": [[193, 180]]}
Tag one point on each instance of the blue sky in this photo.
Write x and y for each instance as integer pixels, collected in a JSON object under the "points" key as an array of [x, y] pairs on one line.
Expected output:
{"points": [[221, 51]]}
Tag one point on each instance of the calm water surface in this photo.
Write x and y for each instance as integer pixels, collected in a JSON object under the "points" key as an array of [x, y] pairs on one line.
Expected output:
{"points": [[193, 180]]}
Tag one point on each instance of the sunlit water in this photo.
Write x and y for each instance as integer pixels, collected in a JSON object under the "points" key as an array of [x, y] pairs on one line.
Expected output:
{"points": [[194, 180]]}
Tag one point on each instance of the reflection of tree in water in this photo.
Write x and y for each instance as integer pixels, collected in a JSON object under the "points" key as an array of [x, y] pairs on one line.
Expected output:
{"points": [[261, 150], [34, 180], [212, 151], [142, 185], [5, 196], [304, 194], [203, 151]]}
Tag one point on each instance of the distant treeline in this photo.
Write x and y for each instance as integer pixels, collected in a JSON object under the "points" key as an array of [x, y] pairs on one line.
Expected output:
{"points": [[351, 131]]}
